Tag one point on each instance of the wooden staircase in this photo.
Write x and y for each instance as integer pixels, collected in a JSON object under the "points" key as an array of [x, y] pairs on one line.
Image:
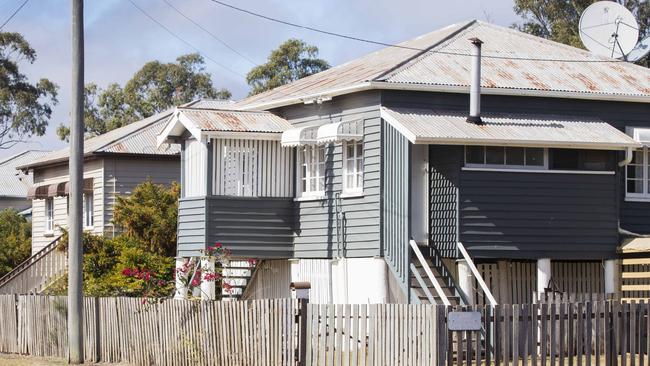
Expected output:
{"points": [[37, 272], [237, 274], [441, 274]]}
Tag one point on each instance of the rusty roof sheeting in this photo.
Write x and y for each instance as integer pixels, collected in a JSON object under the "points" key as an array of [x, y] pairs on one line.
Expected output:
{"points": [[414, 67], [356, 71], [434, 126], [235, 121], [566, 75]]}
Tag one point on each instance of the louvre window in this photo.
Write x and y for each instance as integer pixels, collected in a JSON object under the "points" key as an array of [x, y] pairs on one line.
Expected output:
{"points": [[353, 167]]}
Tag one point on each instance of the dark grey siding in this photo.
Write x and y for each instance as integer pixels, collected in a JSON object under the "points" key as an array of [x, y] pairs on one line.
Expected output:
{"points": [[191, 226], [249, 227], [633, 216], [316, 220], [445, 162], [395, 205], [538, 215], [252, 227]]}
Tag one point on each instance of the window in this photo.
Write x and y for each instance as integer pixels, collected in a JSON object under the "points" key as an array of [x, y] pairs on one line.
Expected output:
{"points": [[312, 170], [574, 159], [88, 210], [353, 167], [240, 171], [637, 179], [637, 175], [49, 215], [504, 157]]}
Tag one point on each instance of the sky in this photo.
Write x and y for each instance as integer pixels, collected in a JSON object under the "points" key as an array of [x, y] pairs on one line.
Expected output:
{"points": [[119, 39]]}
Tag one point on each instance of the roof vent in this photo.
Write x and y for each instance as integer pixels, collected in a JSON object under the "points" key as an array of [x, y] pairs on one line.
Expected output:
{"points": [[475, 84]]}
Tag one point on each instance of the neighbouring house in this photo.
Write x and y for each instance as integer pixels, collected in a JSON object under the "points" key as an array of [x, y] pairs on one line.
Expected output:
{"points": [[396, 178], [14, 183], [114, 163]]}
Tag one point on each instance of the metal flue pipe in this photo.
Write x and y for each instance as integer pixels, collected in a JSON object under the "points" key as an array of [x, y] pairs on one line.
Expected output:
{"points": [[475, 83]]}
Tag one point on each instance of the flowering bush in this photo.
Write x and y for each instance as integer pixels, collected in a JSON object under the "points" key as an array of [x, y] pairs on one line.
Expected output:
{"points": [[191, 274]]}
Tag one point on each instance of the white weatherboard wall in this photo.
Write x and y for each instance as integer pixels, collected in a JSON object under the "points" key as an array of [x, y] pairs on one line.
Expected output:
{"points": [[196, 160], [252, 168], [58, 174], [339, 281]]}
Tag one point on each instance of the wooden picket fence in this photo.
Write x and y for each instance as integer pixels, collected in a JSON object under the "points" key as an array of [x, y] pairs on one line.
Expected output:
{"points": [[260, 332], [289, 332]]}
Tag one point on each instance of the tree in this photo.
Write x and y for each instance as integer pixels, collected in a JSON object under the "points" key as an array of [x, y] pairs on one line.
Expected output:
{"points": [[154, 88], [15, 240], [25, 108], [558, 19], [150, 214], [292, 60]]}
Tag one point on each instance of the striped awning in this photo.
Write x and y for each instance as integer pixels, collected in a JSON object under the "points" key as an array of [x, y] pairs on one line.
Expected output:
{"points": [[56, 189], [340, 131], [300, 136], [37, 192]]}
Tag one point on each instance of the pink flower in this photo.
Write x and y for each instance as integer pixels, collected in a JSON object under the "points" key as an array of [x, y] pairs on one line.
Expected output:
{"points": [[252, 262], [218, 245], [126, 272]]}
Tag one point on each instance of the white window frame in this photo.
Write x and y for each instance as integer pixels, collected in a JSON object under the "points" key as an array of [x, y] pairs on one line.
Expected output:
{"points": [[88, 211], [49, 215], [506, 166], [312, 171], [635, 132], [357, 187]]}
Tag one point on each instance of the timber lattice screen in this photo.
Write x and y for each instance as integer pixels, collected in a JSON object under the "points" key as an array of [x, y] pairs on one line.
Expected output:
{"points": [[267, 332]]}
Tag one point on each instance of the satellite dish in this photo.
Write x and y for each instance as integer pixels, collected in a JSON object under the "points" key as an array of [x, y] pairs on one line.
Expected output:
{"points": [[640, 51], [608, 29]]}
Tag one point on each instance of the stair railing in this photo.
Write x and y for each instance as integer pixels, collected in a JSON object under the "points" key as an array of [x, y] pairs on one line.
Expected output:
{"points": [[33, 273], [427, 270], [477, 275]]}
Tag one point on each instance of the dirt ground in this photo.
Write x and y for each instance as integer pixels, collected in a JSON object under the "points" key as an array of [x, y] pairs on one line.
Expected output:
{"points": [[18, 360]]}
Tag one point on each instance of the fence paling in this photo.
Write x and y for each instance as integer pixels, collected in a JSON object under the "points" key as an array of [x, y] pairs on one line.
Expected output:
{"points": [[267, 332]]}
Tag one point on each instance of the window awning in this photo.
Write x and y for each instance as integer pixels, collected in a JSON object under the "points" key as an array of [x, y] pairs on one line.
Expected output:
{"points": [[300, 136], [87, 186], [57, 189], [37, 192], [427, 126], [340, 131]]}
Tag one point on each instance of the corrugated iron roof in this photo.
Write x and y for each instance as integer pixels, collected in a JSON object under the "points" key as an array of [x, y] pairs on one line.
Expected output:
{"points": [[359, 70], [134, 138], [433, 126], [525, 72], [235, 121], [398, 66], [13, 182]]}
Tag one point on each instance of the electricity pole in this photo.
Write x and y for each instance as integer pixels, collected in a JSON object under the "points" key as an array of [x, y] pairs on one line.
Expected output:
{"points": [[75, 249]]}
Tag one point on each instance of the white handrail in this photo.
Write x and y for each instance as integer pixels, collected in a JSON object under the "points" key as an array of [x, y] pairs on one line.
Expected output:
{"points": [[427, 270], [477, 275]]}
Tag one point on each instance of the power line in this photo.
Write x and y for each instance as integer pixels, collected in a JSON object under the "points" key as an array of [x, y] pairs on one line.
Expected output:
{"points": [[184, 41], [365, 40], [210, 33], [13, 14]]}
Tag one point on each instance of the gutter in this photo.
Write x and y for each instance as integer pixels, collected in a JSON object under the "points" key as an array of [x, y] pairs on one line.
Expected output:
{"points": [[464, 89], [629, 154]]}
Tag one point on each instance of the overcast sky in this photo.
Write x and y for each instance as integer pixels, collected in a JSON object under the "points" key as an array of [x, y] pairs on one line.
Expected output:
{"points": [[120, 39]]}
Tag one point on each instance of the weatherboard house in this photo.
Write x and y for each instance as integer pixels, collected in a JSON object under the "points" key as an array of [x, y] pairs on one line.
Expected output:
{"points": [[396, 178]]}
